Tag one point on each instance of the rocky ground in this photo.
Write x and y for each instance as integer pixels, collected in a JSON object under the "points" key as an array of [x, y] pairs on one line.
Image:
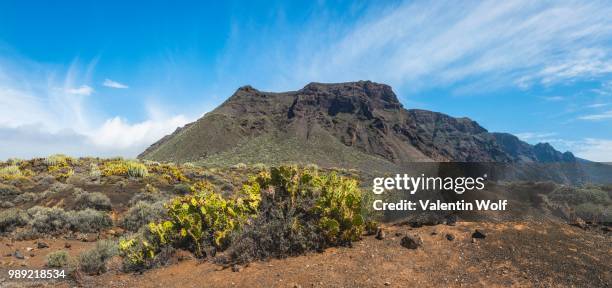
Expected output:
{"points": [[511, 254], [36, 196]]}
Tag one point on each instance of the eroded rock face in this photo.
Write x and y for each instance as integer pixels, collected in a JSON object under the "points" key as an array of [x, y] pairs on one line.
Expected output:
{"points": [[363, 115]]}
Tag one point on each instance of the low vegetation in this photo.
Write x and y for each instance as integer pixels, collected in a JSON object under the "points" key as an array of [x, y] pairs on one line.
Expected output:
{"points": [[52, 221], [124, 168], [95, 200], [141, 214], [57, 259], [10, 172], [296, 210], [234, 215], [591, 203], [12, 218], [94, 261]]}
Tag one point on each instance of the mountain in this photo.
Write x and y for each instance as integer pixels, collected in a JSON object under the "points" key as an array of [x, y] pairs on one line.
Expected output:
{"points": [[355, 124], [520, 151]]}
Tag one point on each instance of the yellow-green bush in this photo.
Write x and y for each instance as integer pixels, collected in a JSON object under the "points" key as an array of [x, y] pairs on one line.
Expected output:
{"points": [[57, 259], [320, 209], [339, 206], [10, 172], [60, 166], [170, 172], [58, 160], [300, 210], [136, 170], [338, 200], [201, 218], [124, 168]]}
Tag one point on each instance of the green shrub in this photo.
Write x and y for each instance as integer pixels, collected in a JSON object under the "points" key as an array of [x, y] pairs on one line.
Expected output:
{"points": [[28, 197], [136, 170], [168, 172], [141, 214], [60, 166], [147, 197], [124, 168], [141, 253], [48, 220], [196, 221], [205, 216], [182, 189], [10, 172], [58, 160], [579, 195], [11, 218], [339, 206], [306, 211], [593, 212], [283, 228], [136, 252], [57, 259], [90, 220], [95, 200], [8, 190], [93, 261], [301, 210]]}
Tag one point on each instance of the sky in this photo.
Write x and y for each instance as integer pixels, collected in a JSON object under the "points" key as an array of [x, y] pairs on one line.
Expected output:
{"points": [[109, 78]]}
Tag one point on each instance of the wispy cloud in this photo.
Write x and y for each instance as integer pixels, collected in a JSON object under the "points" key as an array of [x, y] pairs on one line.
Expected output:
{"points": [[596, 117], [41, 114], [595, 149], [417, 45], [84, 90], [114, 84], [589, 62]]}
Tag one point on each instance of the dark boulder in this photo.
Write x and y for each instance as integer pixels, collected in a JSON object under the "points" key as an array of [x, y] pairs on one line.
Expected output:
{"points": [[411, 241], [478, 234]]}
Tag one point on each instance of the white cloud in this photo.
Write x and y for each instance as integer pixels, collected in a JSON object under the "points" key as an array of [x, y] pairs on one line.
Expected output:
{"points": [[115, 137], [114, 84], [584, 63], [420, 44], [595, 149], [117, 133], [84, 90], [597, 117], [41, 115]]}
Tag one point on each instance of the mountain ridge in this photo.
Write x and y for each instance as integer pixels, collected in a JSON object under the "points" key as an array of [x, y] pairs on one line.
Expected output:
{"points": [[360, 119]]}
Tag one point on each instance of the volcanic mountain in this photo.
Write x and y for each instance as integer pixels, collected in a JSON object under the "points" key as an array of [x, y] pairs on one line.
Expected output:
{"points": [[356, 124]]}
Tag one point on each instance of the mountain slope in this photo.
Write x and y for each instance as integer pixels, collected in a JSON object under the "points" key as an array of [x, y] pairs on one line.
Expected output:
{"points": [[351, 124]]}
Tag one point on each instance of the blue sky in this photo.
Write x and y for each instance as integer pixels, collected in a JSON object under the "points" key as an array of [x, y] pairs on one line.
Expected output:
{"points": [[109, 78]]}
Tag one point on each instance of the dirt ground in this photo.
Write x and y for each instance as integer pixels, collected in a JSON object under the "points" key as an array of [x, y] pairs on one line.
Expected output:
{"points": [[511, 255]]}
